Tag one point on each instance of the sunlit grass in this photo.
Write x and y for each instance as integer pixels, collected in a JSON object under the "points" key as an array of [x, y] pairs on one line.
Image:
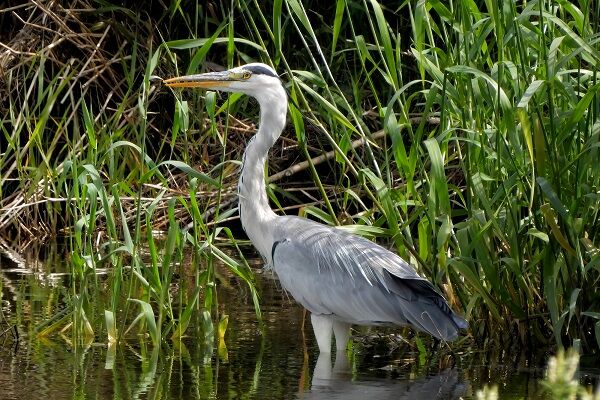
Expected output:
{"points": [[485, 177]]}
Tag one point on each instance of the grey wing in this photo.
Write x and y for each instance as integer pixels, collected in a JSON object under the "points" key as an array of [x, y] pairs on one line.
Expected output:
{"points": [[357, 281]]}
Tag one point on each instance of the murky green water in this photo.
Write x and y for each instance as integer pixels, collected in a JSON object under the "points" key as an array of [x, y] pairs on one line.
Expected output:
{"points": [[281, 364]]}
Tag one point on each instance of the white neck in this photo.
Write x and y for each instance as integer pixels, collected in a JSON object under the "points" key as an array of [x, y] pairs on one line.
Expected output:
{"points": [[255, 213]]}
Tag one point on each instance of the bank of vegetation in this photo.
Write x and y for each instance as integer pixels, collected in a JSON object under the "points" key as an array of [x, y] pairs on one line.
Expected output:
{"points": [[466, 137]]}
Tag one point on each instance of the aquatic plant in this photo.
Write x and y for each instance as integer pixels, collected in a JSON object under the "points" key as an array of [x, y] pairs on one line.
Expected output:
{"points": [[561, 378], [464, 135]]}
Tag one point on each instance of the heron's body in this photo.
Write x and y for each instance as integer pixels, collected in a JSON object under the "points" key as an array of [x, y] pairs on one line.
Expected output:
{"points": [[342, 279]]}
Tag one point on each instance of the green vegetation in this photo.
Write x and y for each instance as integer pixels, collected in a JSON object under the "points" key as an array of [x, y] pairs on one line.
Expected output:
{"points": [[466, 136], [560, 383]]}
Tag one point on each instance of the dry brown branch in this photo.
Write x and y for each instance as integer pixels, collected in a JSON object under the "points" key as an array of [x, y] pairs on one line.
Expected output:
{"points": [[319, 159]]}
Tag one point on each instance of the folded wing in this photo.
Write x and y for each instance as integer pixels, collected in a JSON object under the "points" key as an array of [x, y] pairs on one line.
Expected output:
{"points": [[332, 272]]}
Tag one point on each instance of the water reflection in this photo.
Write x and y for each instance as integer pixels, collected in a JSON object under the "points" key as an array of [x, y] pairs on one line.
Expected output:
{"points": [[282, 363], [336, 383], [52, 371]]}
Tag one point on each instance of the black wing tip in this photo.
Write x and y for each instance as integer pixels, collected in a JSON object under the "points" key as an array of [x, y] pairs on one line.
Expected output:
{"points": [[453, 331], [422, 288], [425, 288], [459, 322]]}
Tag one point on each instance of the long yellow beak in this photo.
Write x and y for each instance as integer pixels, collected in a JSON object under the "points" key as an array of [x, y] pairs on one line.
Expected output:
{"points": [[207, 80]]}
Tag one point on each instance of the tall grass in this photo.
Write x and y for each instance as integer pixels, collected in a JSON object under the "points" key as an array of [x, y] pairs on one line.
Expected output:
{"points": [[477, 131], [79, 161], [488, 182]]}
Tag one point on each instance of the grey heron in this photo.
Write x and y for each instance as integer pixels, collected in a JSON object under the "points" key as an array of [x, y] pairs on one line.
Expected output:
{"points": [[342, 279]]}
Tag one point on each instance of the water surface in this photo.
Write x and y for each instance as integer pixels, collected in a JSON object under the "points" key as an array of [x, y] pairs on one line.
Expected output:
{"points": [[282, 363]]}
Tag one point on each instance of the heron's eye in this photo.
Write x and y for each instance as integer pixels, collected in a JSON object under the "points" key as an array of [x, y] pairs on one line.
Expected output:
{"points": [[246, 75]]}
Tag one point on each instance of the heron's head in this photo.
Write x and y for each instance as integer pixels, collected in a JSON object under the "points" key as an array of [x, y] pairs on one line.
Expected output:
{"points": [[251, 79]]}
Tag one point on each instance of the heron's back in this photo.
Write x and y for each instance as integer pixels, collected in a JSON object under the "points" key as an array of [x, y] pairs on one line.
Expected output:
{"points": [[332, 272]]}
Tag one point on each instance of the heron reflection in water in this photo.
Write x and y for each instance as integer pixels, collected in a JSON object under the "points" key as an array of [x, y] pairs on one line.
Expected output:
{"points": [[338, 382]]}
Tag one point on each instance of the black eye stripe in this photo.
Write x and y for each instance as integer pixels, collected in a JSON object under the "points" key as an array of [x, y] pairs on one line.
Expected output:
{"points": [[257, 69]]}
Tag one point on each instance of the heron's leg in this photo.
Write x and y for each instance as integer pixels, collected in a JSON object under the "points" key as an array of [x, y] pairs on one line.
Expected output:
{"points": [[342, 334], [341, 367], [322, 326]]}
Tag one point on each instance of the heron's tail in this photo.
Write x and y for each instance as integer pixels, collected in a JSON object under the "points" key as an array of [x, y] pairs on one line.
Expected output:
{"points": [[428, 311]]}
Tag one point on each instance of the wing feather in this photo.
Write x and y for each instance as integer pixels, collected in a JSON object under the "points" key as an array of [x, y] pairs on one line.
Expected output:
{"points": [[330, 271]]}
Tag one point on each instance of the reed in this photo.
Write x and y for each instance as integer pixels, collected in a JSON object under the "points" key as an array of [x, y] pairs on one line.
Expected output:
{"points": [[465, 136]]}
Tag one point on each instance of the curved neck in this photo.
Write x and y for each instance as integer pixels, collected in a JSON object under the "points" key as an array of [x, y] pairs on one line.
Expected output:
{"points": [[255, 213]]}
